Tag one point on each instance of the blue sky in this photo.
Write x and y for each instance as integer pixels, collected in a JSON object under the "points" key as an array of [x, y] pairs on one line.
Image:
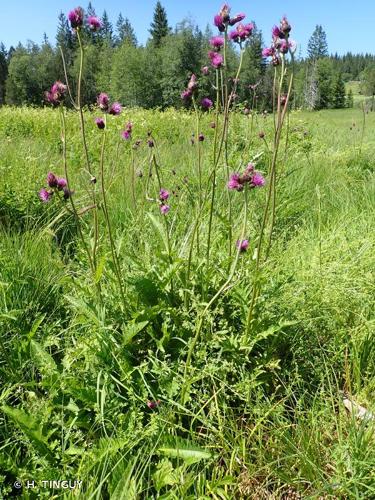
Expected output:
{"points": [[348, 23]]}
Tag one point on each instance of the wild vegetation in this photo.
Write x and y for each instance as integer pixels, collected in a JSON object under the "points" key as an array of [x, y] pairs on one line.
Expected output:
{"points": [[187, 296]]}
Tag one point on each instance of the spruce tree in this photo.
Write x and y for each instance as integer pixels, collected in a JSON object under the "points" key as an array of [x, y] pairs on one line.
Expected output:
{"points": [[350, 99], [159, 27], [338, 92], [317, 47], [3, 72], [125, 32], [107, 29]]}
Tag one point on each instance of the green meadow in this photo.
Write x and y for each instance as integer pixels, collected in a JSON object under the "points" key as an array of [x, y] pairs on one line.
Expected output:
{"points": [[100, 391]]}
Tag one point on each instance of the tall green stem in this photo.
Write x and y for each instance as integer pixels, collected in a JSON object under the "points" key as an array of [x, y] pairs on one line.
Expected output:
{"points": [[116, 262]]}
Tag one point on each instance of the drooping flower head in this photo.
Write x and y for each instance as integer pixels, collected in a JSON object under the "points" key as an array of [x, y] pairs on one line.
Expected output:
{"points": [[241, 32], [224, 13], [257, 180], [234, 182], [217, 59], [206, 103], [268, 52], [276, 32], [186, 95], [193, 83], [75, 17], [61, 183], [67, 193], [285, 26], [94, 23], [237, 19], [153, 404], [51, 180], [56, 93], [249, 177], [45, 195], [218, 22], [100, 123], [163, 194], [115, 109], [217, 42], [164, 209], [242, 245], [127, 132], [103, 101]]}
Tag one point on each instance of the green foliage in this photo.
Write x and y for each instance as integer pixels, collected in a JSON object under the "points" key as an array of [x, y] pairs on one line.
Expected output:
{"points": [[159, 27], [317, 48], [76, 376]]}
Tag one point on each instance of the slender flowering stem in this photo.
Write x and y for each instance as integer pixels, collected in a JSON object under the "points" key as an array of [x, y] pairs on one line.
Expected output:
{"points": [[85, 148], [116, 262]]}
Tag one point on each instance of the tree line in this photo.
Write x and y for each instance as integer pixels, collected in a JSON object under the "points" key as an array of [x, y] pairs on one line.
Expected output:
{"points": [[153, 75]]}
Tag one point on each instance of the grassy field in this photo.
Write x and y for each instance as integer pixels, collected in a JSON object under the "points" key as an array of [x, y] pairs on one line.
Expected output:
{"points": [[92, 392]]}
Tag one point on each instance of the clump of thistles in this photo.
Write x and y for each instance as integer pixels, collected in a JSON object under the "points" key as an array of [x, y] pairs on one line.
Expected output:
{"points": [[56, 93], [281, 44], [104, 104], [249, 177], [56, 184], [163, 197]]}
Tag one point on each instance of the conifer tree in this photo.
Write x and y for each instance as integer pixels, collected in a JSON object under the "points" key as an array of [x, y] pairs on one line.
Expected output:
{"points": [[317, 47], [125, 32], [159, 27], [338, 92]]}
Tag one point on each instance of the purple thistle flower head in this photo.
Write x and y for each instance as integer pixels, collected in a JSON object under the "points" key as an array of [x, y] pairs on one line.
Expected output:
{"points": [[100, 123], [205, 70], [285, 26], [235, 182], [249, 168], [164, 209], [153, 404], [150, 143], [51, 180], [218, 22], [163, 194], [277, 33], [94, 23], [186, 95], [217, 42], [56, 93], [268, 52], [45, 195], [224, 13], [61, 183], [217, 59], [67, 193], [206, 103], [241, 32], [75, 17], [243, 245], [193, 83], [237, 19], [201, 137], [115, 109], [284, 47], [257, 180], [126, 134], [103, 101]]}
